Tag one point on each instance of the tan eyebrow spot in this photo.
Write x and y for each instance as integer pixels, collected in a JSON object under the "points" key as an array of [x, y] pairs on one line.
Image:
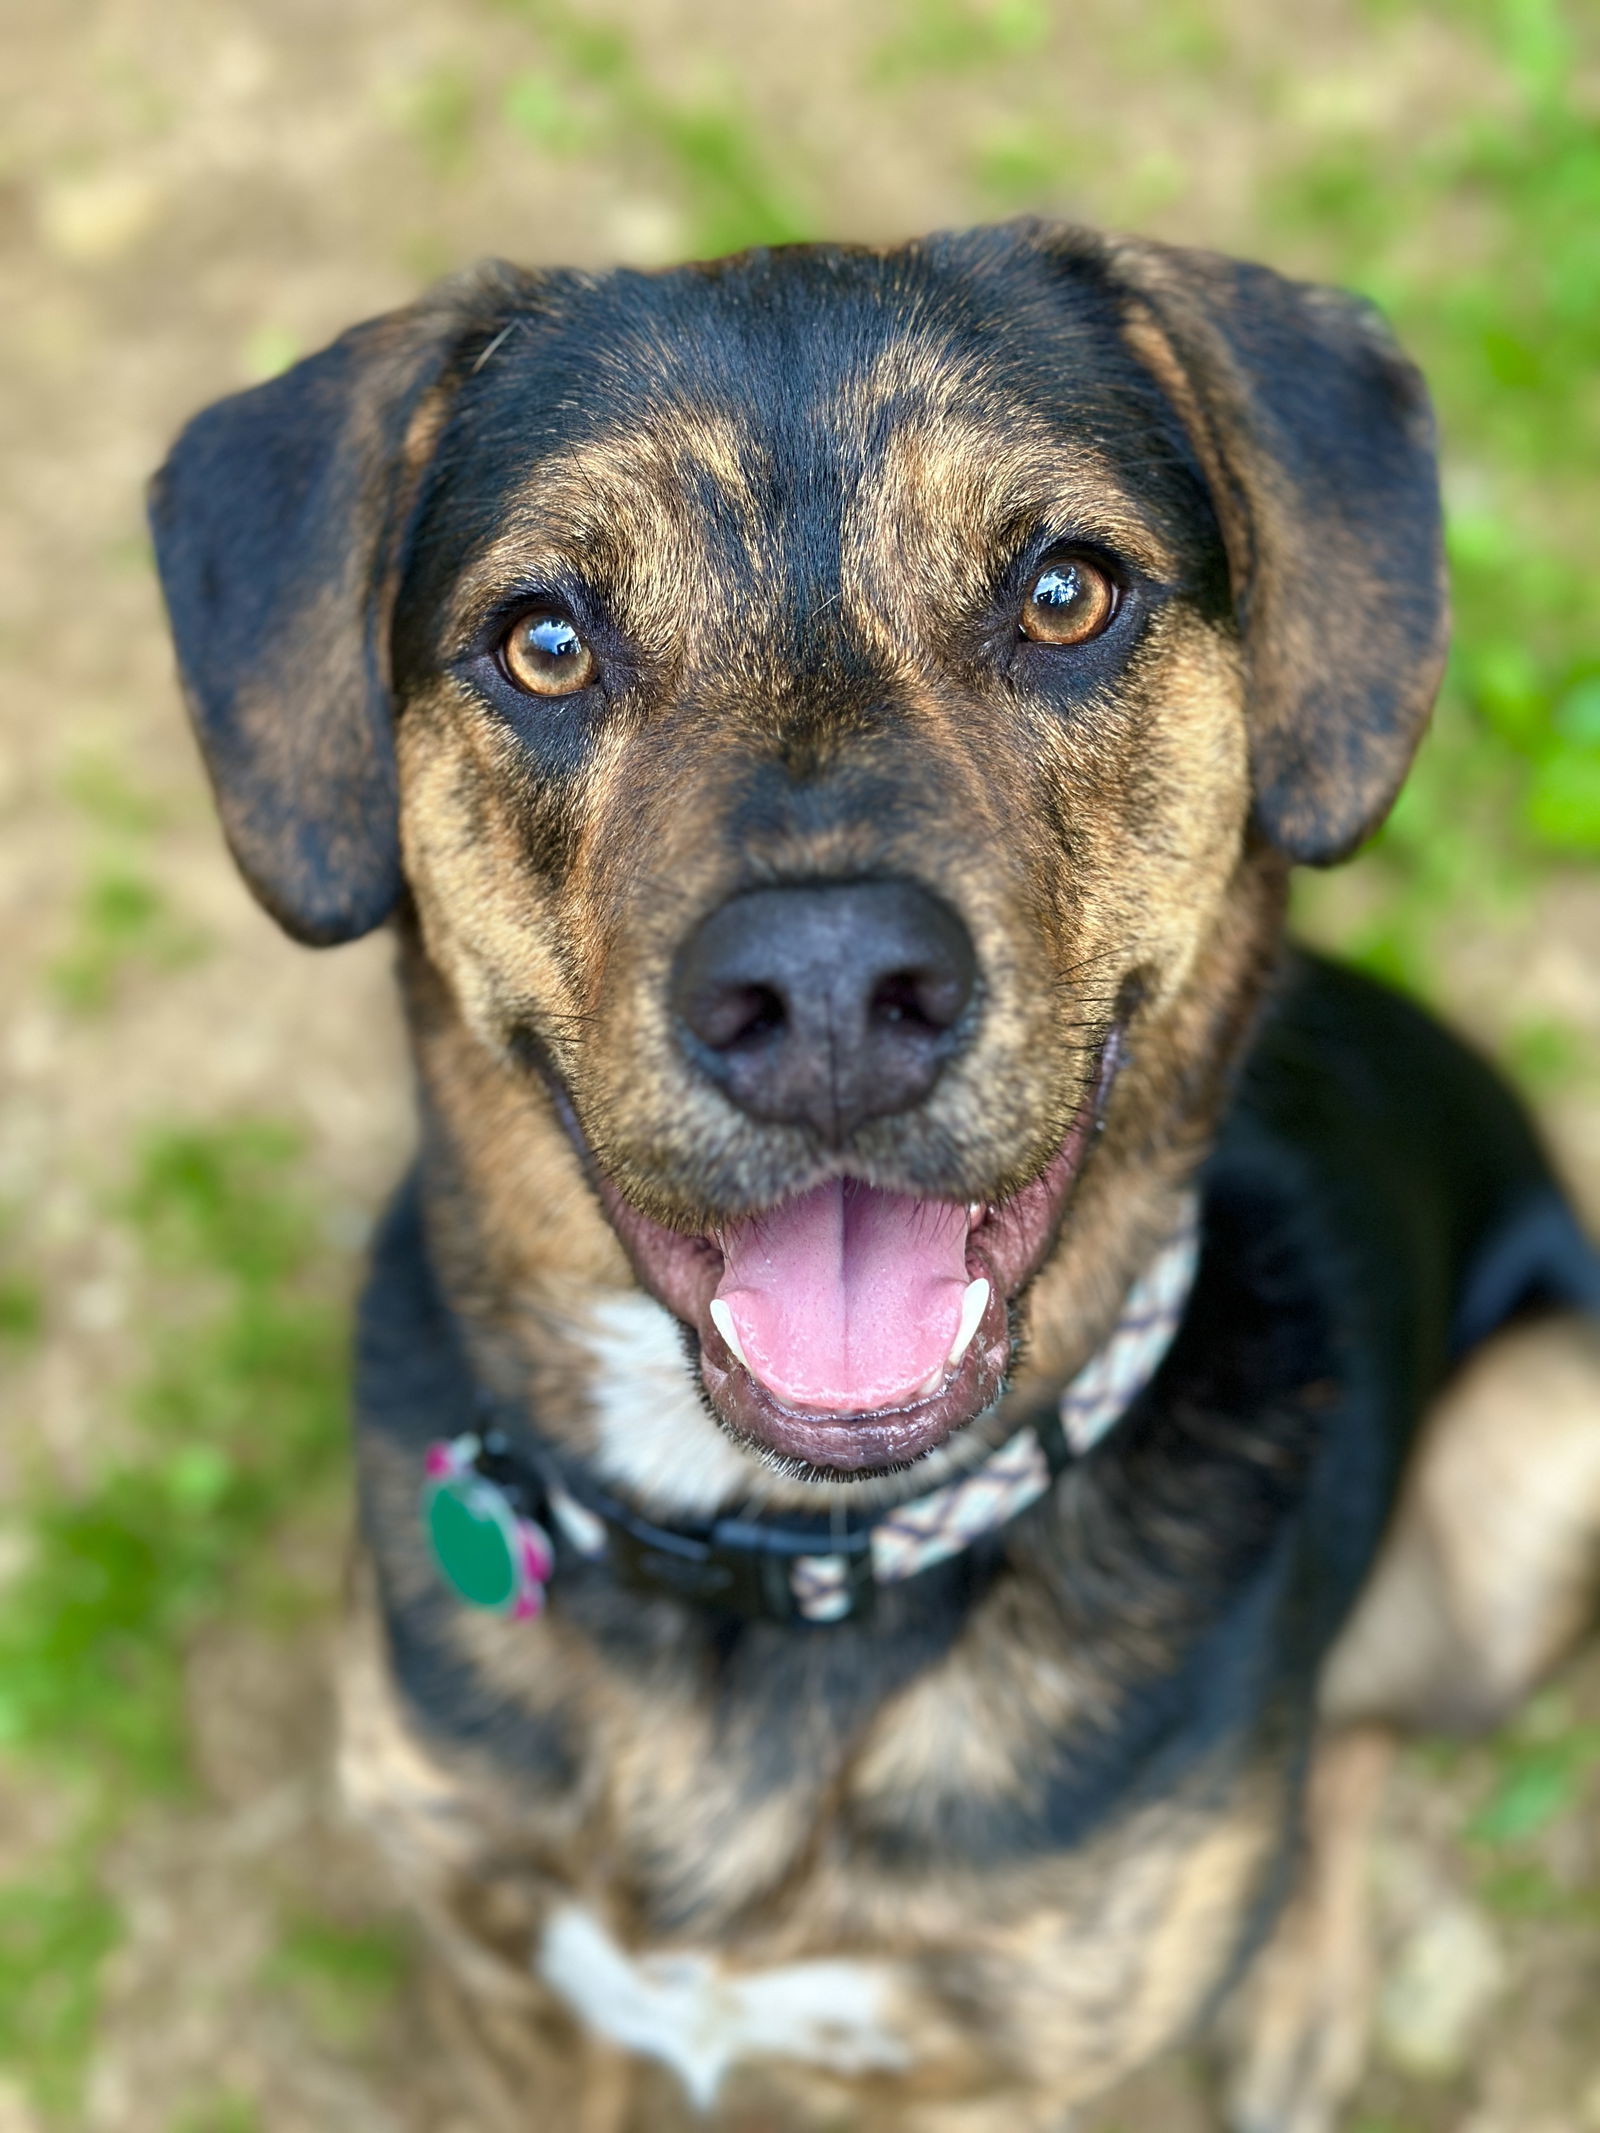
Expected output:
{"points": [[954, 465], [627, 502]]}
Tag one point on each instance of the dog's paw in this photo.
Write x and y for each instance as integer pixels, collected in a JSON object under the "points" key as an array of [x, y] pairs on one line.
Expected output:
{"points": [[1299, 2064]]}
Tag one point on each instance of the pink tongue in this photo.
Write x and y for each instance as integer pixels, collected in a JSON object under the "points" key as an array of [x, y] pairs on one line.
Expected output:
{"points": [[846, 1298]]}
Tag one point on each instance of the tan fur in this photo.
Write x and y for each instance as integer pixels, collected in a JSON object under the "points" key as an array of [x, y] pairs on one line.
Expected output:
{"points": [[1071, 1973], [1160, 881]]}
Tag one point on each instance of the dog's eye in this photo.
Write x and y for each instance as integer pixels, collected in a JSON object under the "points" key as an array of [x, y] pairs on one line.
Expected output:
{"points": [[1068, 603], [545, 655]]}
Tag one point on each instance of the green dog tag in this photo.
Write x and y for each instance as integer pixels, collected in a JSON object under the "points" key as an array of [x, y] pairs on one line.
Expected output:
{"points": [[485, 1553], [474, 1542]]}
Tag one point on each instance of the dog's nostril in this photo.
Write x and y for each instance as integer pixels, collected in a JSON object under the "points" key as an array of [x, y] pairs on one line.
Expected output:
{"points": [[736, 1016], [921, 999]]}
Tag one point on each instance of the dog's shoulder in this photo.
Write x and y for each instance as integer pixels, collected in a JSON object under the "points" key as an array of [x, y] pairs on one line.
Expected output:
{"points": [[1425, 1195]]}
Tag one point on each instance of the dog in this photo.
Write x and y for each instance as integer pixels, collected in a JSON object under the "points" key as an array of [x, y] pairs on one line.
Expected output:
{"points": [[938, 1397]]}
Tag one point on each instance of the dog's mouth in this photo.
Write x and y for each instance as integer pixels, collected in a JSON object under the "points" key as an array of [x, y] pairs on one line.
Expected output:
{"points": [[851, 1329]]}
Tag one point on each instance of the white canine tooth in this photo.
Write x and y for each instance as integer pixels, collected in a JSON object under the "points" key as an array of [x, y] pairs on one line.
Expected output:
{"points": [[975, 1213], [931, 1383], [974, 1302], [722, 1319]]}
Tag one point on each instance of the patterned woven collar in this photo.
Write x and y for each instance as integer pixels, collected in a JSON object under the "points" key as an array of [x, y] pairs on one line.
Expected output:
{"points": [[499, 1519]]}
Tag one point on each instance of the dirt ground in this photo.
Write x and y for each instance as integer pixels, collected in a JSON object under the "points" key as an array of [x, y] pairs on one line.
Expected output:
{"points": [[191, 192]]}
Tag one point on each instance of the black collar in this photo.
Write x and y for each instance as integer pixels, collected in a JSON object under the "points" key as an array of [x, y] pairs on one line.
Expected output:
{"points": [[743, 1566]]}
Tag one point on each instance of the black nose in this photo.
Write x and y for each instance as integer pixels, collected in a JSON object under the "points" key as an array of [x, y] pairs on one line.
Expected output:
{"points": [[826, 1005]]}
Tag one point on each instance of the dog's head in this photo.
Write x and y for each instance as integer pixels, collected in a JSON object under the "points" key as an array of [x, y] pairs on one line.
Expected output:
{"points": [[821, 707]]}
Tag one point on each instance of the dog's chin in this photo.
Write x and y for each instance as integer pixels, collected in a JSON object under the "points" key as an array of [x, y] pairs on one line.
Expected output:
{"points": [[850, 1331]]}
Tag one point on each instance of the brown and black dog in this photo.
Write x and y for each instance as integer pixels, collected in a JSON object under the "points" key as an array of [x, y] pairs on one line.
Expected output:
{"points": [[829, 730]]}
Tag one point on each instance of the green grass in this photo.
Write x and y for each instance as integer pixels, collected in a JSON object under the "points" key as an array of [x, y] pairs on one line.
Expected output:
{"points": [[268, 350], [342, 1978], [220, 2114], [241, 1412], [21, 1310], [1506, 324], [1545, 1764], [110, 800], [589, 93], [1547, 1055], [440, 112], [56, 1928], [1543, 1770], [933, 37], [240, 1415], [1541, 1786], [122, 920]]}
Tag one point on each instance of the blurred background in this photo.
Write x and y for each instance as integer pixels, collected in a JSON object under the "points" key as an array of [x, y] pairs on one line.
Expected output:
{"points": [[197, 1119]]}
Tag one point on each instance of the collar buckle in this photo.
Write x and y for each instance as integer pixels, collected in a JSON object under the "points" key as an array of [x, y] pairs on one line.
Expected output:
{"points": [[744, 1566]]}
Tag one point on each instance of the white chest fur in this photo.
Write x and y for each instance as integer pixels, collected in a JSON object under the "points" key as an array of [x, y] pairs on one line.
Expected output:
{"points": [[657, 1442], [701, 2019]]}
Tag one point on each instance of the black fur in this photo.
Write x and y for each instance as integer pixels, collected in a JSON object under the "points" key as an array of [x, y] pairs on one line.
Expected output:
{"points": [[279, 519]]}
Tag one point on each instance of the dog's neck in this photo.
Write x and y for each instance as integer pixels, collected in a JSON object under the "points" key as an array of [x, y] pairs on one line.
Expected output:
{"points": [[822, 1569], [554, 1317]]}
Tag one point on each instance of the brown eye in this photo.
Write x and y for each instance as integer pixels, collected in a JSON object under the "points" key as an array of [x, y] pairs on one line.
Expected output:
{"points": [[545, 655], [1068, 603]]}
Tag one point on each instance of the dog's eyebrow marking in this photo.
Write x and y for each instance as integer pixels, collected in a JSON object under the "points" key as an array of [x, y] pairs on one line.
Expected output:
{"points": [[628, 504], [951, 501], [953, 465], [998, 452]]}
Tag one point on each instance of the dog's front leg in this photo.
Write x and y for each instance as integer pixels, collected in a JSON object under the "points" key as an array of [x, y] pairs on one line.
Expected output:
{"points": [[1489, 1574], [1294, 2037], [1491, 1569]]}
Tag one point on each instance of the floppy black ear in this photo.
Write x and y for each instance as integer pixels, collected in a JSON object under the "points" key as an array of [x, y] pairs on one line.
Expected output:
{"points": [[1316, 437], [279, 519]]}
